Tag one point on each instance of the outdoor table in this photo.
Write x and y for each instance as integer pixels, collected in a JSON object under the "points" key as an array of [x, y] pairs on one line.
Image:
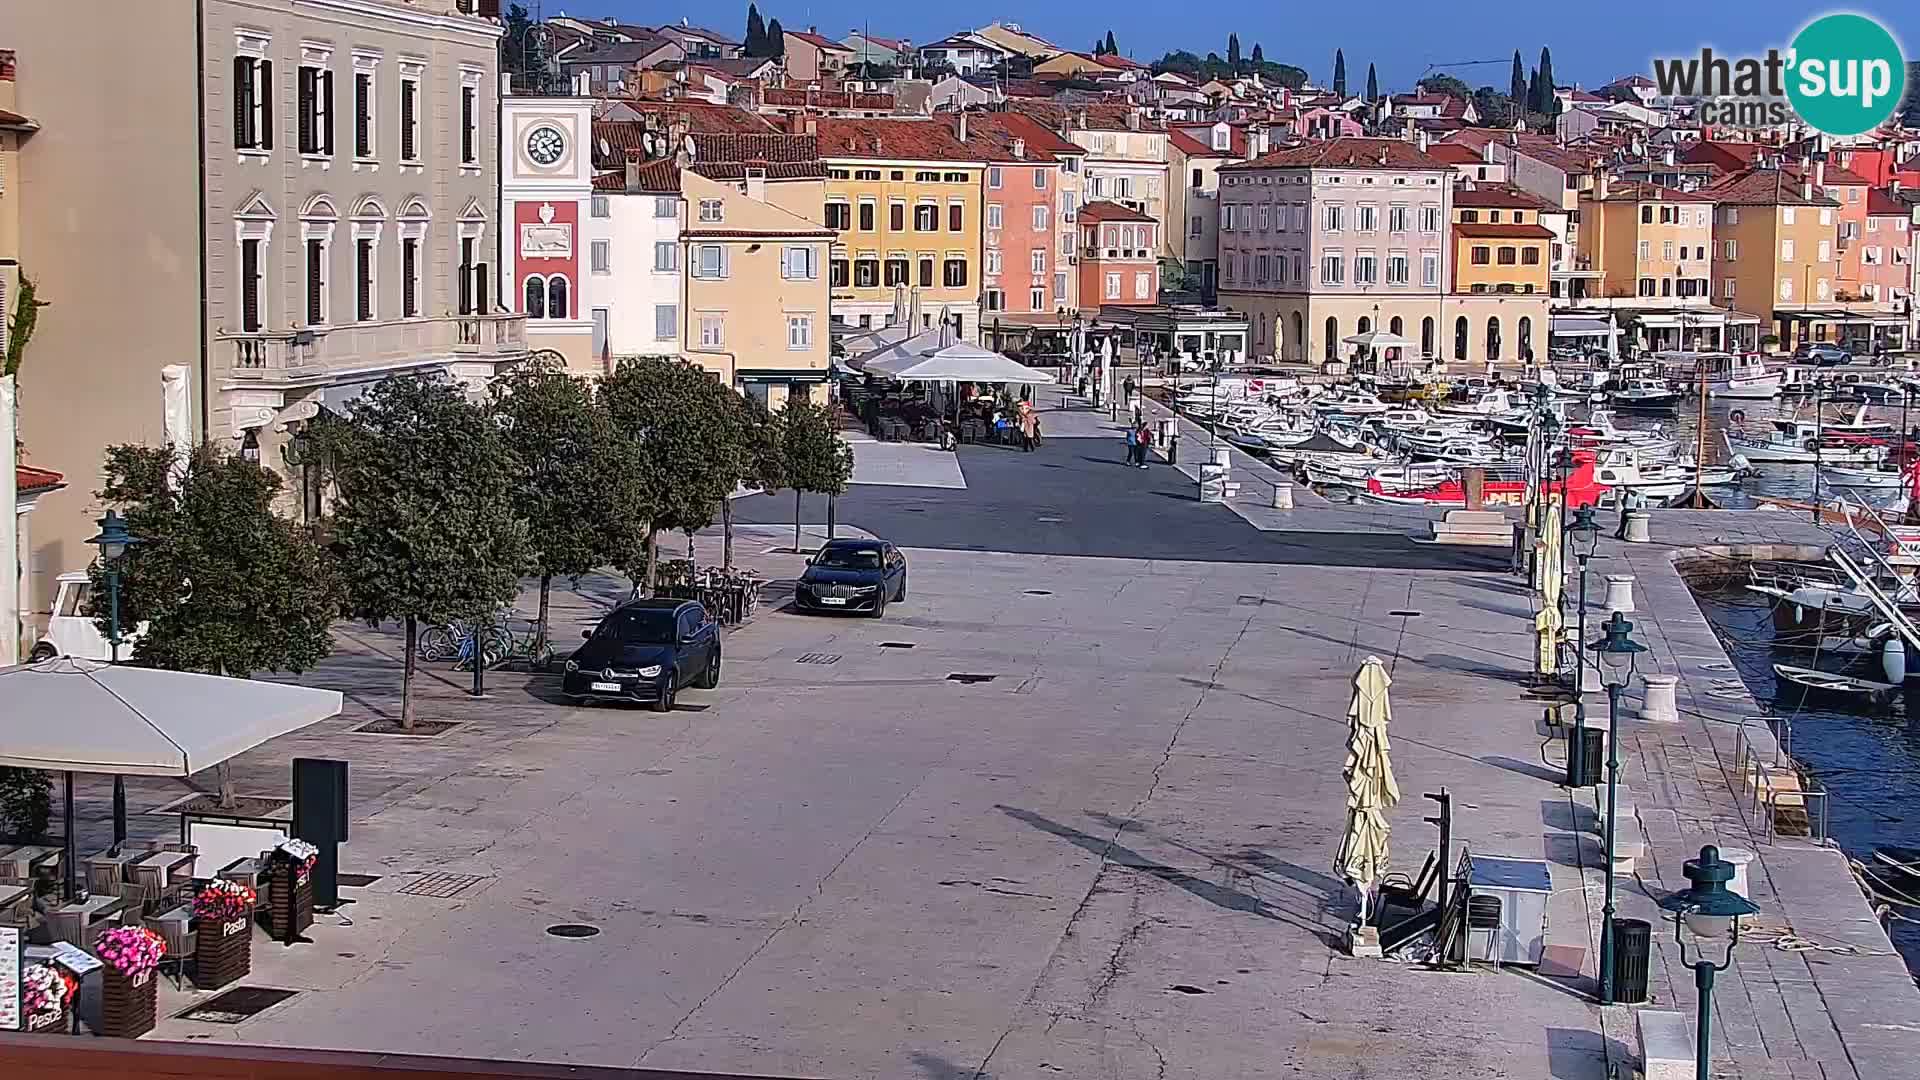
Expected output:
{"points": [[16, 904], [28, 859], [74, 922], [106, 871], [160, 866]]}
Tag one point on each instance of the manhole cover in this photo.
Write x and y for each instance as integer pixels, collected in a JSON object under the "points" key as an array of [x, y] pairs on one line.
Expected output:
{"points": [[1183, 988], [961, 677], [1404, 613], [818, 658], [1039, 592], [238, 1004], [573, 930], [356, 881], [896, 644], [442, 885], [1250, 601]]}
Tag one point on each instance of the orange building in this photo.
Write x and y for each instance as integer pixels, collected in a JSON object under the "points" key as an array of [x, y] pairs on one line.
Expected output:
{"points": [[1119, 266]]}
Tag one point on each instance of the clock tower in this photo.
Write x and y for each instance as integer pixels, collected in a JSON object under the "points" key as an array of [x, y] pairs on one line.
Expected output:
{"points": [[546, 178]]}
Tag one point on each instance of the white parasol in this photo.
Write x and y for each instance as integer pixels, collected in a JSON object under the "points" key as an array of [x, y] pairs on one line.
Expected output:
{"points": [[1371, 789]]}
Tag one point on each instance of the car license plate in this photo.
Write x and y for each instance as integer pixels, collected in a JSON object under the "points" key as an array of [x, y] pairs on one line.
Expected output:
{"points": [[614, 686], [833, 599]]}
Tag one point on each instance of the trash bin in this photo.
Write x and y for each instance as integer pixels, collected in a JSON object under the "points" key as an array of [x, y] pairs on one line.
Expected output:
{"points": [[1632, 955], [1584, 760]]}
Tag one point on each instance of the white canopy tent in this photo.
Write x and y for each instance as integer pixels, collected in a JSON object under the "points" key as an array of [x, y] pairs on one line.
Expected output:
{"points": [[958, 362], [71, 716]]}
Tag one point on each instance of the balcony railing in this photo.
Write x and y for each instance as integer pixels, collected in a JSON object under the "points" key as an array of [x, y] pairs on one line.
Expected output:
{"points": [[296, 353]]}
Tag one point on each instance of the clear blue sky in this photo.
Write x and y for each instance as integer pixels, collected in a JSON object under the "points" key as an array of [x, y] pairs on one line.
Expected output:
{"points": [[1591, 43]]}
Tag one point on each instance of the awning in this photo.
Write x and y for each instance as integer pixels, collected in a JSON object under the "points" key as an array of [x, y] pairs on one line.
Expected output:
{"points": [[1377, 339], [1580, 327], [80, 716], [959, 362], [902, 345]]}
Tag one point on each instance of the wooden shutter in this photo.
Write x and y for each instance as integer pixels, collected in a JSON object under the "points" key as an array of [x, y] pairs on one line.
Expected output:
{"points": [[326, 101], [250, 286], [466, 123], [305, 106], [363, 278], [243, 134], [409, 262], [264, 91], [406, 120], [314, 250], [480, 293], [362, 100]]}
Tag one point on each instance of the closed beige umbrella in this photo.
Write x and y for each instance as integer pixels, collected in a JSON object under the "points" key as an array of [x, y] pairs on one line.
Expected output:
{"points": [[1371, 788]]}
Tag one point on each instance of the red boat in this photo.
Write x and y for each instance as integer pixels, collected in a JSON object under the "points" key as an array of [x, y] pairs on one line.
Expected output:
{"points": [[1581, 487]]}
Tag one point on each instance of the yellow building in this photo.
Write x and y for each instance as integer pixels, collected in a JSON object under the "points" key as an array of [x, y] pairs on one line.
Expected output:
{"points": [[904, 197], [1070, 64], [1499, 244], [756, 289], [1774, 253], [1647, 241]]}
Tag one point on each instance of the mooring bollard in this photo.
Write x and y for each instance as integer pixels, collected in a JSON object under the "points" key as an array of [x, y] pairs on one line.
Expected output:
{"points": [[1639, 524], [1283, 496], [1619, 593], [1659, 702]]}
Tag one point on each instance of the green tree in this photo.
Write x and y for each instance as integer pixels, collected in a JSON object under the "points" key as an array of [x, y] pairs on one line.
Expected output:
{"points": [[1340, 72], [764, 458], [224, 584], [26, 312], [425, 523], [1517, 89], [1110, 48], [1258, 58], [26, 803], [1446, 84], [776, 40], [1546, 104], [1533, 91], [563, 451], [1373, 85], [1233, 50], [817, 459], [681, 445], [756, 43]]}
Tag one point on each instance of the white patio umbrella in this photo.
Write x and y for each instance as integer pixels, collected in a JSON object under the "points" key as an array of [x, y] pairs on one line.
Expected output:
{"points": [[1371, 788], [1376, 339], [71, 716], [957, 362]]}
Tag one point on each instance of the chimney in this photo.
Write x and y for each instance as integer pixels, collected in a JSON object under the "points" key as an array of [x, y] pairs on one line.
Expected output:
{"points": [[813, 127], [1667, 156], [1893, 186], [962, 135], [1806, 188], [1020, 148], [1081, 120], [1602, 182], [1420, 139], [1820, 173], [794, 122], [633, 174], [1513, 138], [1133, 119]]}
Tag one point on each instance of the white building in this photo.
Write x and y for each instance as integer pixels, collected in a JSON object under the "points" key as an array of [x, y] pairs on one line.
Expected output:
{"points": [[632, 288], [546, 177]]}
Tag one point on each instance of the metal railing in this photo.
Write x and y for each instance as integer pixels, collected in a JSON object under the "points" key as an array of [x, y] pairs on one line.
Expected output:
{"points": [[265, 355]]}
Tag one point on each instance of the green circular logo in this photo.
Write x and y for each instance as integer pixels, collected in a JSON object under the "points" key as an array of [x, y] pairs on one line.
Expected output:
{"points": [[1845, 75]]}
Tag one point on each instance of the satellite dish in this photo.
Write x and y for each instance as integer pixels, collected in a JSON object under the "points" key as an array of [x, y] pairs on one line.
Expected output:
{"points": [[606, 151], [689, 146]]}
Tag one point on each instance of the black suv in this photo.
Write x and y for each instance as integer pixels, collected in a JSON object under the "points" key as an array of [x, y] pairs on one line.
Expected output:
{"points": [[646, 650]]}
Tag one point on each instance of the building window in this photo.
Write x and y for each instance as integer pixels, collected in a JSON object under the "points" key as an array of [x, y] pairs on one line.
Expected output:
{"points": [[1826, 250], [557, 298], [1469, 217], [839, 274], [1037, 299], [711, 211], [363, 279], [1786, 215], [895, 271], [712, 261], [800, 263], [1142, 286], [1330, 218], [1726, 288], [316, 282], [1429, 268], [1369, 218], [1037, 260], [1332, 268], [867, 213], [1397, 268], [992, 262], [363, 114], [1507, 256], [1646, 215], [1396, 219], [666, 322], [866, 273], [1530, 256], [1646, 250], [994, 300], [409, 277], [252, 103], [597, 207], [1365, 268], [926, 218], [1482, 255], [897, 216], [1039, 179], [1786, 250], [597, 256], [839, 216], [954, 273], [469, 125], [250, 320], [993, 176], [799, 333], [713, 331], [926, 272], [1646, 286], [666, 206], [1040, 218], [316, 110], [666, 256], [1666, 251], [409, 120], [1113, 286], [536, 293], [955, 217]]}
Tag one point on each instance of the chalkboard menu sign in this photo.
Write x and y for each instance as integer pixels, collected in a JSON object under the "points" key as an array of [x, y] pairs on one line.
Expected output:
{"points": [[10, 956]]}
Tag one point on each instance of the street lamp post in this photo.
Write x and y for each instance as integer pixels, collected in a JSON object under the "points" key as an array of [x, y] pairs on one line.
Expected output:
{"points": [[1586, 533], [1710, 909], [1619, 654], [113, 542]]}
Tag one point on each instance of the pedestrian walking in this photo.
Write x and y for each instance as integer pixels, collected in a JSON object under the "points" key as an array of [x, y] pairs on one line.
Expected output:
{"points": [[1080, 387], [1133, 445], [1026, 425], [1127, 385], [1144, 442]]}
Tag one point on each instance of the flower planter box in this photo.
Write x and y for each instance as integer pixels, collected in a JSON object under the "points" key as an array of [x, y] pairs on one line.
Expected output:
{"points": [[48, 1023], [289, 902], [127, 1004], [222, 952]]}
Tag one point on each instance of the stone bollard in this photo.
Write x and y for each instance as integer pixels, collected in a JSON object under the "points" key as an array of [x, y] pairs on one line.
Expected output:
{"points": [[1739, 858], [1619, 594], [1659, 702], [1283, 496], [1638, 531]]}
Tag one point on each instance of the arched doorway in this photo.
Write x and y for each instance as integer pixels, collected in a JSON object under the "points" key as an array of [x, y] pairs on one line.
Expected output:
{"points": [[1298, 341], [1365, 325], [1493, 338], [1526, 339], [1333, 339], [1395, 326], [1460, 338], [1426, 337]]}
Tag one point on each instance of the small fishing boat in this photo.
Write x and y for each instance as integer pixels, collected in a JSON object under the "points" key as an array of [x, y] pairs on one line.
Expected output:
{"points": [[1581, 488], [1646, 395], [1803, 442], [1813, 681], [1848, 477]]}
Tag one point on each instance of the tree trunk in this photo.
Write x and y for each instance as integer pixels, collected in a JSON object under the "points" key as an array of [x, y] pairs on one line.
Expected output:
{"points": [[796, 521], [653, 559], [726, 534], [830, 510], [223, 779], [406, 675], [540, 628]]}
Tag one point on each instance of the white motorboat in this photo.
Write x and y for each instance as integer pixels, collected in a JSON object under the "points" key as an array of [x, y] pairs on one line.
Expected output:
{"points": [[1801, 442], [1321, 447], [1869, 386], [1497, 402], [1351, 402], [1740, 376], [1646, 395], [1623, 469], [1846, 476]]}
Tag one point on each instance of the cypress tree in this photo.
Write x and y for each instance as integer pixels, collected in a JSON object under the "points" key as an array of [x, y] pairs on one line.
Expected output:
{"points": [[756, 43], [1233, 50], [1112, 48], [1518, 89], [1340, 73], [1373, 86], [776, 40], [1258, 58], [1546, 102]]}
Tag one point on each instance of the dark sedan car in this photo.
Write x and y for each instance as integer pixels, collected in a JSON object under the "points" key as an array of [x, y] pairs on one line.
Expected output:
{"points": [[853, 575], [646, 650]]}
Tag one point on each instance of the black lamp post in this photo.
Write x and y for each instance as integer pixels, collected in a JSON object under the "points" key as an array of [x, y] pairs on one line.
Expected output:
{"points": [[1619, 655], [113, 542], [1709, 908], [1585, 534]]}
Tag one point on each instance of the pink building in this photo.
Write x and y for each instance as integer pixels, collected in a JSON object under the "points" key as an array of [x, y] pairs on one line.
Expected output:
{"points": [[1327, 124], [1886, 250], [1026, 241], [1118, 267]]}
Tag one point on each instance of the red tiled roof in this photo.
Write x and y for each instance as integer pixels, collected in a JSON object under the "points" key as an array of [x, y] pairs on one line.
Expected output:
{"points": [[1478, 231], [1881, 203], [1454, 154], [1094, 115], [826, 99], [1111, 211], [993, 134], [1194, 146], [1499, 196], [1346, 153], [1641, 191], [27, 479], [700, 115], [816, 40], [755, 149], [1117, 62], [660, 177], [1841, 176], [883, 42], [1762, 187], [899, 140]]}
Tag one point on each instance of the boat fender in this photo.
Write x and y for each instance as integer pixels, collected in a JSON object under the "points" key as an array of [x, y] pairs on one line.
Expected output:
{"points": [[1893, 660], [1737, 416]]}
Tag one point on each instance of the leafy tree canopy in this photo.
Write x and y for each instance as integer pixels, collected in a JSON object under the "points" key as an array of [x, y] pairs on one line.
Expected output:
{"points": [[1214, 67]]}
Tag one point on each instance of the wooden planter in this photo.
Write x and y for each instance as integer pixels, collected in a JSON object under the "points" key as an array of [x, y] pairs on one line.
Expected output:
{"points": [[53, 1023], [288, 902], [127, 1005], [222, 952]]}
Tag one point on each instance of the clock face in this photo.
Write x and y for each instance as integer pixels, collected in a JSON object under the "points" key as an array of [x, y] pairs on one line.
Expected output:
{"points": [[545, 145]]}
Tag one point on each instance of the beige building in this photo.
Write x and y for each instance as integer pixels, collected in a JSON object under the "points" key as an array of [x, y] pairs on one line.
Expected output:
{"points": [[1645, 240], [756, 285], [1773, 253], [304, 212]]}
